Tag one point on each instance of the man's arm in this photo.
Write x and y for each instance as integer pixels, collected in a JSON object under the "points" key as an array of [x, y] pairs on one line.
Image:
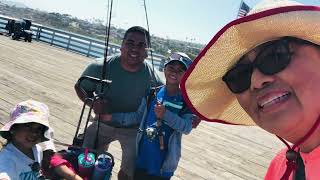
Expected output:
{"points": [[129, 117]]}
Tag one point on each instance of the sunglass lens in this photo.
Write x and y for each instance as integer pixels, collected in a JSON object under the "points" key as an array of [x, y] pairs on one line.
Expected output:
{"points": [[274, 59], [238, 79]]}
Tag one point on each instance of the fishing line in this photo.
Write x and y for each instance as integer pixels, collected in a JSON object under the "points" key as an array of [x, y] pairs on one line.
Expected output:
{"points": [[106, 42], [150, 47]]}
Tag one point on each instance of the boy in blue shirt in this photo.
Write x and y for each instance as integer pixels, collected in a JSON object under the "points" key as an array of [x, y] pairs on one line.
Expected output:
{"points": [[162, 126]]}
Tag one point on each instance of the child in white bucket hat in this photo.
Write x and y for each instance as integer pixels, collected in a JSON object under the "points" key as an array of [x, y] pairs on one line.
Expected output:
{"points": [[263, 69], [28, 126]]}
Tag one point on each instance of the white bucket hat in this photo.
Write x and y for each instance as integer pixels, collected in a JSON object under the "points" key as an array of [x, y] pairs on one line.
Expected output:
{"points": [[27, 112]]}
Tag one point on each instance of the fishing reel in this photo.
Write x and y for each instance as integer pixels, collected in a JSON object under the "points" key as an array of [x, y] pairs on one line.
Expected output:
{"points": [[151, 133]]}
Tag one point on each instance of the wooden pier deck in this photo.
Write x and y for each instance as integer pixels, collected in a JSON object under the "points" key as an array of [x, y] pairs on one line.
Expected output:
{"points": [[45, 73]]}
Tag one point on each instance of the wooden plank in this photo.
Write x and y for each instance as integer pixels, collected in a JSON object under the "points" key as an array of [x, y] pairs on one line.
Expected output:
{"points": [[45, 73]]}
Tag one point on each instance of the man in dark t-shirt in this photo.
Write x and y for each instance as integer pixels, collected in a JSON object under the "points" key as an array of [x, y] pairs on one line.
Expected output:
{"points": [[131, 80]]}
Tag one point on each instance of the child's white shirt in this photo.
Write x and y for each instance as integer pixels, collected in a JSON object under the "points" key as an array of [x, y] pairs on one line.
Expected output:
{"points": [[15, 165]]}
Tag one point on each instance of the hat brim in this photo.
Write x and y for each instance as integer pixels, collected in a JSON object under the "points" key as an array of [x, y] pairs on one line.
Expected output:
{"points": [[202, 85], [5, 130], [175, 60]]}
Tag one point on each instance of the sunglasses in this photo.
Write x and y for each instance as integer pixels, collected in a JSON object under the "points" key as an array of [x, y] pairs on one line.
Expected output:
{"points": [[35, 167], [274, 57]]}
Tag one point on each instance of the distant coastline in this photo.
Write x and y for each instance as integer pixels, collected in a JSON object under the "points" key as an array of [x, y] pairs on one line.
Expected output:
{"points": [[94, 29]]}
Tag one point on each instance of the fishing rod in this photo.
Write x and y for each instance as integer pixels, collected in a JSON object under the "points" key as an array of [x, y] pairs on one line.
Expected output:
{"points": [[159, 130], [103, 82], [106, 42], [104, 68], [150, 47]]}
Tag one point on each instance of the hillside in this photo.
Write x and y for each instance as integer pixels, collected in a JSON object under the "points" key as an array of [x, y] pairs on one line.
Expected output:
{"points": [[94, 28]]}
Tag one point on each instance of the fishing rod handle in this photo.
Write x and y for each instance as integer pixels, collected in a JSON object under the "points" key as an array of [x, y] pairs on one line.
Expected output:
{"points": [[161, 141], [94, 79]]}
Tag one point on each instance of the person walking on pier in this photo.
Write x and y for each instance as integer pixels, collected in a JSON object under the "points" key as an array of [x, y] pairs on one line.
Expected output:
{"points": [[132, 79], [263, 69]]}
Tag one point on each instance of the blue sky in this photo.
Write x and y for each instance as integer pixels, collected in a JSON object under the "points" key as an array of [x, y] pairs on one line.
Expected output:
{"points": [[191, 20]]}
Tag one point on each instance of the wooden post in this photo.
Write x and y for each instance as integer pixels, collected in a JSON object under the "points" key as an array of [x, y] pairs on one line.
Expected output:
{"points": [[38, 33], [69, 39], [89, 49], [52, 38]]}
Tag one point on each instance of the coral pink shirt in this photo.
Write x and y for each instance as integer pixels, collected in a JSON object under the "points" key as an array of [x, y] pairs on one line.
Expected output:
{"points": [[57, 160], [311, 162]]}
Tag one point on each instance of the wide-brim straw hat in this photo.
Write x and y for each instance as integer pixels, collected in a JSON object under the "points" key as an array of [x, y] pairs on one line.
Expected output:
{"points": [[202, 85], [29, 111]]}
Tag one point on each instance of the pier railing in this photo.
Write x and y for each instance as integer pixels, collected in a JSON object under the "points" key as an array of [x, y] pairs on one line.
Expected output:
{"points": [[83, 45]]}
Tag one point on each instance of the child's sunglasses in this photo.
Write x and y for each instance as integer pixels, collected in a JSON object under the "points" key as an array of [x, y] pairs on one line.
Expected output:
{"points": [[274, 57], [35, 167]]}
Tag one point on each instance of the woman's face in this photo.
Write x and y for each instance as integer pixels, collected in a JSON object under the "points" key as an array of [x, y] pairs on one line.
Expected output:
{"points": [[286, 103], [25, 136]]}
